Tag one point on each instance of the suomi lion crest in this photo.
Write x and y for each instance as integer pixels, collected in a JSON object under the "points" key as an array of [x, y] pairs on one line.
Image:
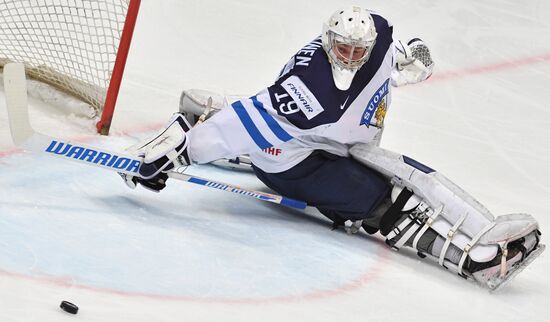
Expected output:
{"points": [[381, 113]]}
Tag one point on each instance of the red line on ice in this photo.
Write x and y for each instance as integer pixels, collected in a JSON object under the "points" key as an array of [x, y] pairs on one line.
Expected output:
{"points": [[520, 62], [352, 285], [9, 152]]}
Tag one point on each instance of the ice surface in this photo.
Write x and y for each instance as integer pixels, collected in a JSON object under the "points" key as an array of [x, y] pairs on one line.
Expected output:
{"points": [[73, 232]]}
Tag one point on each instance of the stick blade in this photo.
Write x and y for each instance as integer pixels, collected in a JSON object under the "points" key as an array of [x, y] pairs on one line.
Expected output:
{"points": [[15, 85]]}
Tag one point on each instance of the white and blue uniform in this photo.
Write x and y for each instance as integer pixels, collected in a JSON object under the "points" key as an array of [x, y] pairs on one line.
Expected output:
{"points": [[304, 112]]}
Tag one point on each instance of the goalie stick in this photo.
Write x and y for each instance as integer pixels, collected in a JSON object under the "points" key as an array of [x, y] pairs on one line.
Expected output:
{"points": [[24, 136]]}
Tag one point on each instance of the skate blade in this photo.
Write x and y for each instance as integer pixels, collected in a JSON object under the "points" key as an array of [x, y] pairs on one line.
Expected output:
{"points": [[497, 283]]}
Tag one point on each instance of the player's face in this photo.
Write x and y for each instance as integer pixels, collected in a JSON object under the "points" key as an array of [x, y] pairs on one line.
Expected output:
{"points": [[348, 53]]}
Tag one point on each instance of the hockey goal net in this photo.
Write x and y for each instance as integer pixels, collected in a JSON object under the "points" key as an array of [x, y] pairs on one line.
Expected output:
{"points": [[77, 46]]}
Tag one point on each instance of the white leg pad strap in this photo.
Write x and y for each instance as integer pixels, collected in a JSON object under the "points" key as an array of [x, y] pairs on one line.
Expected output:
{"points": [[428, 224], [467, 249], [408, 234], [450, 235]]}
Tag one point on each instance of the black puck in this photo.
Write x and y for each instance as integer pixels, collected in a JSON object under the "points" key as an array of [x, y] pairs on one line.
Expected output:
{"points": [[68, 307]]}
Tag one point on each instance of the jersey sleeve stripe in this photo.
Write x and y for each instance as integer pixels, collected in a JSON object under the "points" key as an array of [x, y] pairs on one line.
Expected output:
{"points": [[250, 127], [270, 121]]}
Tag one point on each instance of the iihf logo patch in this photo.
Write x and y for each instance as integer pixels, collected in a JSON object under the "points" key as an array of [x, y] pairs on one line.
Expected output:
{"points": [[377, 106]]}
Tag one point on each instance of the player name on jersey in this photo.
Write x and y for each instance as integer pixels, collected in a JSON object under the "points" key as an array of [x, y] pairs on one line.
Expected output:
{"points": [[303, 57]]}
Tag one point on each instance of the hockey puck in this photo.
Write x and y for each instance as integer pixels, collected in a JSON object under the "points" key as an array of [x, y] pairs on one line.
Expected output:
{"points": [[68, 307]]}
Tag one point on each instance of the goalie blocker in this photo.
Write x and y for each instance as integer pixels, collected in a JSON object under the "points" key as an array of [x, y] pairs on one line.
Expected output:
{"points": [[439, 220], [164, 152]]}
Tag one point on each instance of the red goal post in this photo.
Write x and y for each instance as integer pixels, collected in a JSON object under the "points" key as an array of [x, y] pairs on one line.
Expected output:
{"points": [[77, 46]]}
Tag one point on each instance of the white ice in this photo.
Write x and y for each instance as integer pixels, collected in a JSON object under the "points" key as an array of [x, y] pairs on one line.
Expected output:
{"points": [[72, 232]]}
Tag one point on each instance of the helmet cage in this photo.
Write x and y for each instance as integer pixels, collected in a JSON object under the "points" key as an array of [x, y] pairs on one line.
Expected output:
{"points": [[349, 53]]}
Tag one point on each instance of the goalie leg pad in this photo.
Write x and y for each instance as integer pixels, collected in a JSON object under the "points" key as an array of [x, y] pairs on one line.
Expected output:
{"points": [[467, 233], [199, 105], [437, 193], [516, 237]]}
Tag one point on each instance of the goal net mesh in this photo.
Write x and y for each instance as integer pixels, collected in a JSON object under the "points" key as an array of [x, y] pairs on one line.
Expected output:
{"points": [[69, 44]]}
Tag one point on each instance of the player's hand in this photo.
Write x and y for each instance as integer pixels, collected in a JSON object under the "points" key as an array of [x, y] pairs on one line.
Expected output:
{"points": [[155, 184]]}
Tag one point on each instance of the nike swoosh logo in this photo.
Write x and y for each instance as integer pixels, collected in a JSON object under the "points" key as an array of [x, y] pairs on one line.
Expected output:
{"points": [[344, 105]]}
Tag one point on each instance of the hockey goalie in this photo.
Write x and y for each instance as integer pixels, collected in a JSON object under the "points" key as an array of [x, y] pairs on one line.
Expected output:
{"points": [[314, 135]]}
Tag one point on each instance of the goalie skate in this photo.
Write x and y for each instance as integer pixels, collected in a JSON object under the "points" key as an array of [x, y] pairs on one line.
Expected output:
{"points": [[495, 277], [498, 282]]}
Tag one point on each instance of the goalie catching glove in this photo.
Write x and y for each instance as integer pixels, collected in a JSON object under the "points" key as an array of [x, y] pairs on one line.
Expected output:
{"points": [[164, 152], [413, 62]]}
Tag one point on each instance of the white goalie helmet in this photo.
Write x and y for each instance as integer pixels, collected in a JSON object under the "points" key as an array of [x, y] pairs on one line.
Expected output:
{"points": [[348, 38]]}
